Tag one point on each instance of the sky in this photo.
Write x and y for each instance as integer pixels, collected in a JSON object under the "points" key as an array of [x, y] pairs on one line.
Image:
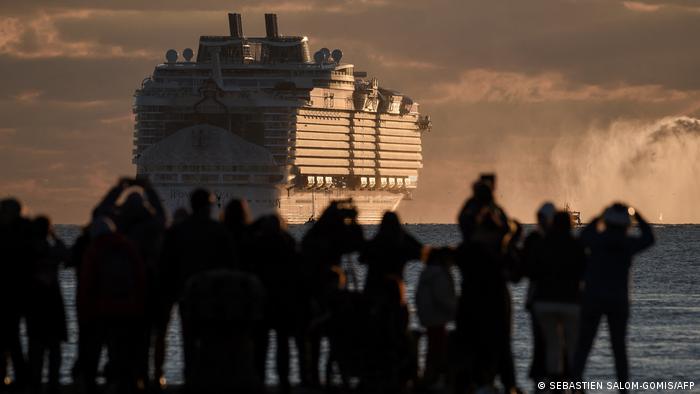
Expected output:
{"points": [[583, 102]]}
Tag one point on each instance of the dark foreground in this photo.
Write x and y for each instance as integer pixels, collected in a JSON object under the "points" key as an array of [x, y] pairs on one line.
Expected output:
{"points": [[177, 389], [233, 282]]}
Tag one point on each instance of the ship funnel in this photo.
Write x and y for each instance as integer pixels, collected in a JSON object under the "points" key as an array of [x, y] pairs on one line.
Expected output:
{"points": [[235, 25], [271, 25]]}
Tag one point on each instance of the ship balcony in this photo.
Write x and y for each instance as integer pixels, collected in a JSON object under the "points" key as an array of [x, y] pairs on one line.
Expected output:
{"points": [[322, 182], [393, 183]]}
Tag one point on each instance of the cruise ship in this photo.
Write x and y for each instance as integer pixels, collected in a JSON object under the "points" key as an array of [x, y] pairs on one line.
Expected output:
{"points": [[262, 120]]}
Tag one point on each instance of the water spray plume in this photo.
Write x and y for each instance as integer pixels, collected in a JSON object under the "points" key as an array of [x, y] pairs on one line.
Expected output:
{"points": [[653, 166]]}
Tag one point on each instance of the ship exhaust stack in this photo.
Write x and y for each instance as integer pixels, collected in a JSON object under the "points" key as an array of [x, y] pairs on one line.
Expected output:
{"points": [[235, 25], [271, 26]]}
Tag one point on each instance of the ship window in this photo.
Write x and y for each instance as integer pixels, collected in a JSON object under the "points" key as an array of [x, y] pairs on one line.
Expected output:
{"points": [[166, 177], [235, 178], [189, 168], [209, 178]]}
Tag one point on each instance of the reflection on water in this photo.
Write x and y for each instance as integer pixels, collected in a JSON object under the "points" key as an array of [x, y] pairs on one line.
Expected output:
{"points": [[664, 326]]}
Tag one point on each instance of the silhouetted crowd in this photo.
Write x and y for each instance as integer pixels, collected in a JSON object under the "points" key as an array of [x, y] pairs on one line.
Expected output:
{"points": [[234, 281]]}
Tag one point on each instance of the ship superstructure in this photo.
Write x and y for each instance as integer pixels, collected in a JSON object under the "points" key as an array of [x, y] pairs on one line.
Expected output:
{"points": [[260, 119]]}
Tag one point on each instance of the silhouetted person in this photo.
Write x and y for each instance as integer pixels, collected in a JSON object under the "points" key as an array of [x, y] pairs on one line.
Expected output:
{"points": [[180, 215], [276, 263], [162, 314], [75, 260], [436, 305], [221, 310], [236, 216], [482, 217], [484, 312], [532, 252], [111, 302], [334, 234], [236, 219], [196, 245], [388, 252], [46, 319], [556, 275], [607, 282], [386, 256], [108, 207], [14, 277], [141, 218]]}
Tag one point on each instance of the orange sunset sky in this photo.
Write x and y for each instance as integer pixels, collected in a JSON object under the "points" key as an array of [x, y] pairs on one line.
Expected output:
{"points": [[579, 101]]}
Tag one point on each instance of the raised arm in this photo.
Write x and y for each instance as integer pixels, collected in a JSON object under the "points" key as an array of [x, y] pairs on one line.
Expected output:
{"points": [[588, 233], [108, 204], [154, 200], [646, 239]]}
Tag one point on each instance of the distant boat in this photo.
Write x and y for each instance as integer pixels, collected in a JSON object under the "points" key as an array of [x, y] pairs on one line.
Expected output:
{"points": [[575, 215]]}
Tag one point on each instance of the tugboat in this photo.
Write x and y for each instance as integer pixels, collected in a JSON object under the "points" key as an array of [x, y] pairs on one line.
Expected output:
{"points": [[575, 215]]}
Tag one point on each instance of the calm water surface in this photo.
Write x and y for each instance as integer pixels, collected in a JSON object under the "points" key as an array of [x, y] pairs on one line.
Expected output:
{"points": [[664, 330]]}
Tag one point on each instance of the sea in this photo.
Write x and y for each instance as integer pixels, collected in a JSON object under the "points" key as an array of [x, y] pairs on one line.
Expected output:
{"points": [[663, 333]]}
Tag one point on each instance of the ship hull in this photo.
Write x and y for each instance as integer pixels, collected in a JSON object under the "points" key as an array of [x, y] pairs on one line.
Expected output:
{"points": [[299, 207], [295, 207]]}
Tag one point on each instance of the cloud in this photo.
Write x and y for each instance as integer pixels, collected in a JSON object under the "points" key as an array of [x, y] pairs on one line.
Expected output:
{"points": [[501, 82], [34, 152], [499, 86], [36, 97], [333, 7], [20, 187], [400, 62], [345, 6], [57, 166], [128, 118], [28, 96], [654, 6], [36, 37], [641, 7], [39, 195], [7, 131]]}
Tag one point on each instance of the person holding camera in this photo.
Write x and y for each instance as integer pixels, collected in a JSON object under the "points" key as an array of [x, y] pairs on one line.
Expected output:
{"points": [[485, 259], [610, 252], [389, 342], [45, 314], [335, 234]]}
